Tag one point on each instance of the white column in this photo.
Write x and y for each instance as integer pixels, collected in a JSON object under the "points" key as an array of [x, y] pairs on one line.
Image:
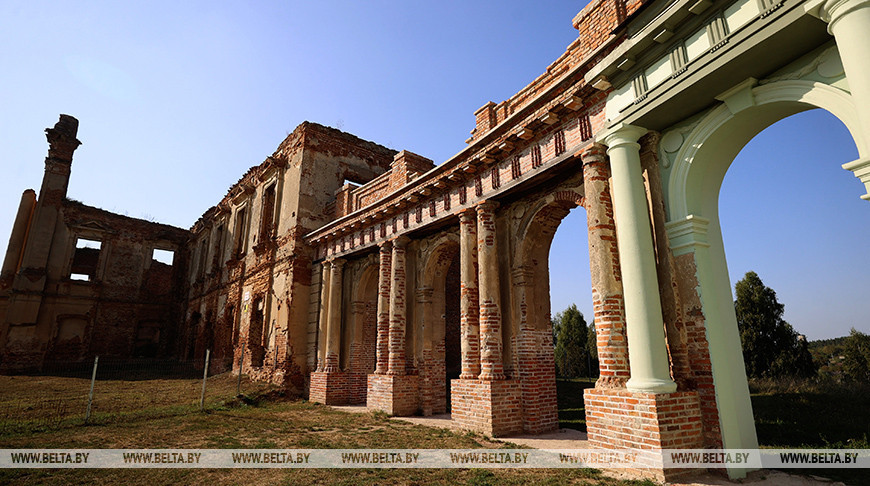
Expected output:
{"points": [[647, 351], [849, 23]]}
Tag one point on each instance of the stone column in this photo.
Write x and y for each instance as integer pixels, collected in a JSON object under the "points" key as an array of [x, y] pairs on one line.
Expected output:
{"points": [[849, 23], [323, 323], [491, 366], [647, 351], [383, 327], [333, 333], [607, 297], [397, 308], [468, 303], [16, 239], [62, 142]]}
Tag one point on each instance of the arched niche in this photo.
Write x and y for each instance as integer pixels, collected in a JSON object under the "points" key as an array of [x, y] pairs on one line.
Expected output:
{"points": [[437, 322], [359, 333]]}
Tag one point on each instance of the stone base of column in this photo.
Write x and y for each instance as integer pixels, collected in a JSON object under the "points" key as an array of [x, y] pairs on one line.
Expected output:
{"points": [[621, 419], [490, 407], [336, 388], [397, 395]]}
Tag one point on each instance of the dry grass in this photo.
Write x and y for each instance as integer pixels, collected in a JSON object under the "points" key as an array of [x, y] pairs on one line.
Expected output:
{"points": [[36, 403], [262, 419]]}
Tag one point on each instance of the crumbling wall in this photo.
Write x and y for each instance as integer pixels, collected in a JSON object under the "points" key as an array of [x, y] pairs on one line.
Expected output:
{"points": [[256, 279], [80, 281]]}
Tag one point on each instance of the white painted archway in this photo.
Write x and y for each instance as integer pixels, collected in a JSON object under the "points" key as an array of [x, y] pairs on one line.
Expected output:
{"points": [[692, 201]]}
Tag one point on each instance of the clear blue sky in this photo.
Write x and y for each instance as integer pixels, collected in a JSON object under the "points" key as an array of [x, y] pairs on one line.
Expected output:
{"points": [[177, 99]]}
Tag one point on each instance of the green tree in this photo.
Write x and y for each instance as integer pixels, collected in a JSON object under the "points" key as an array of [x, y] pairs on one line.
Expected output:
{"points": [[570, 333], [771, 347], [592, 350], [856, 365]]}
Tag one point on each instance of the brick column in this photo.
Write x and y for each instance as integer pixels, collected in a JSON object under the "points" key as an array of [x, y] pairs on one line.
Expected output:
{"points": [[356, 360], [491, 366], [607, 294], [397, 308], [647, 413], [468, 303], [647, 351], [426, 366], [333, 333], [383, 329], [323, 322]]}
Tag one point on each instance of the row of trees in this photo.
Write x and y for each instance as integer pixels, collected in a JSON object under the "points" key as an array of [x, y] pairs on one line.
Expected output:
{"points": [[771, 346]]}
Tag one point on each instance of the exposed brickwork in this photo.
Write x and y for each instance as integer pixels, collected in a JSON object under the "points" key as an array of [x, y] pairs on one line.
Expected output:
{"points": [[329, 388], [394, 394], [469, 305], [698, 348], [607, 301], [122, 304], [396, 334], [537, 377], [247, 284], [620, 419], [489, 299], [493, 407]]}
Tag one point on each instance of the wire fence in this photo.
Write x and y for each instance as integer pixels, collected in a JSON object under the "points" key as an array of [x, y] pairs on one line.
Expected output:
{"points": [[107, 390]]}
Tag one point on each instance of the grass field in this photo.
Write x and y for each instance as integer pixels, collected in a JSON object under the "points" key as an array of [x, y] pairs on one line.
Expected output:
{"points": [[813, 414], [165, 414], [170, 419]]}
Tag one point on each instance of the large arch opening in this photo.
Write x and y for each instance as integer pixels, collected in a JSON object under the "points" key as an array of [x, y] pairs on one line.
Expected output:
{"points": [[535, 282], [693, 200], [797, 188], [570, 275]]}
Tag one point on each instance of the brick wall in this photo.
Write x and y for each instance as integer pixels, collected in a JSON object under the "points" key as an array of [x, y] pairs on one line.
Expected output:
{"points": [[337, 388], [343, 201], [433, 380], [595, 26], [406, 167]]}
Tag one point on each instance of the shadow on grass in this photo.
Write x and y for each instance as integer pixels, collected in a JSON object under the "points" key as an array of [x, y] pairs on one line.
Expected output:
{"points": [[821, 417], [572, 411]]}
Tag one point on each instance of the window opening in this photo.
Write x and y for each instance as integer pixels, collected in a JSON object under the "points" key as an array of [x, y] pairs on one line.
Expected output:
{"points": [[85, 260]]}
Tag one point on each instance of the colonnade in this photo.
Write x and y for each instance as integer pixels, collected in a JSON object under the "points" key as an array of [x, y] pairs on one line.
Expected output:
{"points": [[480, 307]]}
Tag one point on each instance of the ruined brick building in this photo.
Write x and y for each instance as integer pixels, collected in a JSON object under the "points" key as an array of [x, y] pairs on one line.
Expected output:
{"points": [[79, 281], [354, 274]]}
